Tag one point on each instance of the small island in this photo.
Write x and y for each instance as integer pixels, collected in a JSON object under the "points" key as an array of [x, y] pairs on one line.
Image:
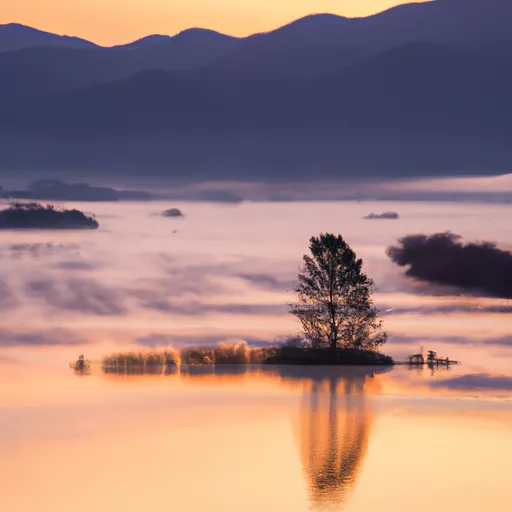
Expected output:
{"points": [[322, 356], [172, 212], [340, 324], [32, 215]]}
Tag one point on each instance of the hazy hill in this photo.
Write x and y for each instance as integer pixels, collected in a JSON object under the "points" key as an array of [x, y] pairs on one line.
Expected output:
{"points": [[418, 89], [144, 42], [317, 45], [324, 43], [35, 72], [14, 36], [418, 108]]}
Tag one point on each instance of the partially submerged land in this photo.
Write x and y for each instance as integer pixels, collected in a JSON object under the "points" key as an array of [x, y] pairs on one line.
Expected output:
{"points": [[172, 212], [32, 215], [340, 324], [321, 356], [240, 353]]}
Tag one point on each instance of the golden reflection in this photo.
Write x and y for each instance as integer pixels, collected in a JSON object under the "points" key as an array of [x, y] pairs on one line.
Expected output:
{"points": [[332, 426], [333, 430]]}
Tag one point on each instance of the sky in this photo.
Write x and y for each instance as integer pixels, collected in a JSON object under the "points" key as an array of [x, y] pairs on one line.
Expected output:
{"points": [[110, 22]]}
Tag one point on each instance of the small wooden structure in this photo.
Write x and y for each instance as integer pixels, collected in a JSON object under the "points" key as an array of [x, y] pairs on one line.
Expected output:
{"points": [[432, 360], [417, 359]]}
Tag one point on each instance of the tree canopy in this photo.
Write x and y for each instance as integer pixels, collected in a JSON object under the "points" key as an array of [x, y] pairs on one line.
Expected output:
{"points": [[335, 305]]}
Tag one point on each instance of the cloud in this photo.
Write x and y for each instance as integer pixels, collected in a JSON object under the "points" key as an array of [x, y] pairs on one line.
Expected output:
{"points": [[220, 196], [80, 295], [155, 340], [385, 215], [52, 337], [194, 308], [76, 265], [475, 268], [7, 298], [500, 341], [445, 309], [54, 190], [268, 281], [37, 250], [179, 288], [475, 382], [200, 279], [210, 278]]}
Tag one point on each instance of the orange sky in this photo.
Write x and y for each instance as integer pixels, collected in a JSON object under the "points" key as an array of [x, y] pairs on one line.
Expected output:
{"points": [[111, 22]]}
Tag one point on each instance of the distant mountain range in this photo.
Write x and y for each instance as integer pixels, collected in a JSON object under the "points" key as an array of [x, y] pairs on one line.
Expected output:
{"points": [[14, 36], [418, 89]]}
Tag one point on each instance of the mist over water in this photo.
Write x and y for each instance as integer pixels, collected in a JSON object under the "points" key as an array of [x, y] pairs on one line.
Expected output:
{"points": [[248, 437], [225, 273]]}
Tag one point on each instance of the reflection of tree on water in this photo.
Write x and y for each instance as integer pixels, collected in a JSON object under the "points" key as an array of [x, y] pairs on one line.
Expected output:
{"points": [[333, 431], [333, 424], [140, 370]]}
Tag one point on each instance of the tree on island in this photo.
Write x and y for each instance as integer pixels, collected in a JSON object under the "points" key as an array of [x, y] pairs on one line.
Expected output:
{"points": [[335, 305]]}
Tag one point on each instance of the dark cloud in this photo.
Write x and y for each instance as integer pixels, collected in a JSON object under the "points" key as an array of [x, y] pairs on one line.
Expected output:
{"points": [[80, 295], [39, 338], [475, 382], [475, 268]]}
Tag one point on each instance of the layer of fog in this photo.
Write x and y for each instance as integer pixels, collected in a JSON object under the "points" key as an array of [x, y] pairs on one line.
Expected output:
{"points": [[496, 189], [228, 274]]}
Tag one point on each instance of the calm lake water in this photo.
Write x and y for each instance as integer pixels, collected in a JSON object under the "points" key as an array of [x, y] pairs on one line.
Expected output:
{"points": [[235, 438]]}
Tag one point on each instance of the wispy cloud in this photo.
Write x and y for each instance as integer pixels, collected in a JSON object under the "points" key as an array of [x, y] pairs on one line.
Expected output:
{"points": [[52, 337], [475, 382], [8, 299], [386, 310], [155, 340], [501, 341], [77, 295]]}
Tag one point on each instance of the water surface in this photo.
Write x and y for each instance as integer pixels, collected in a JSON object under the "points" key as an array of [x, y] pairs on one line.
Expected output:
{"points": [[244, 438]]}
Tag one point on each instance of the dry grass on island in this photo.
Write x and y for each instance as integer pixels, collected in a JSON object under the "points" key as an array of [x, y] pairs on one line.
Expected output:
{"points": [[224, 353]]}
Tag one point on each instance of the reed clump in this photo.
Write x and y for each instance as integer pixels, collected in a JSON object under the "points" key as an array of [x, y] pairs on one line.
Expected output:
{"points": [[223, 353], [161, 358]]}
